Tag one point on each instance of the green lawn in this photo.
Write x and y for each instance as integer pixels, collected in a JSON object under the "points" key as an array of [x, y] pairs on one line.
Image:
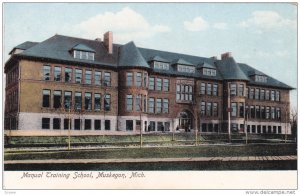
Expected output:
{"points": [[161, 152]]}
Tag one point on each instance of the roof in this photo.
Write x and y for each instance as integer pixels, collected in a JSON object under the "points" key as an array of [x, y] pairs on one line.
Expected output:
{"points": [[83, 47], [131, 56], [58, 48]]}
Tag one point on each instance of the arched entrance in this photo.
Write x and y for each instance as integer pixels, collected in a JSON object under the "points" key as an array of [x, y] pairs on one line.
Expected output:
{"points": [[186, 120]]}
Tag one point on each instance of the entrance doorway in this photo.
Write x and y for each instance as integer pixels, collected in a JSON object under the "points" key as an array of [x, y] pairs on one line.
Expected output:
{"points": [[186, 121]]}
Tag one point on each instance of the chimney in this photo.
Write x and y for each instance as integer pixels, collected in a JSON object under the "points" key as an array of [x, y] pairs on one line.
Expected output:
{"points": [[226, 55], [214, 57], [98, 39], [108, 41]]}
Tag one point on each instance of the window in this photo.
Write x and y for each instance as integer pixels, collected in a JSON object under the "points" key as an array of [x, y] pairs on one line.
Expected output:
{"points": [[208, 88], [188, 69], [57, 73], [97, 101], [97, 124], [216, 127], [184, 92], [84, 55], [274, 129], [251, 95], [253, 129], [260, 78], [257, 94], [107, 124], [151, 105], [88, 77], [129, 125], [97, 78], [272, 113], [267, 112], [208, 109], [202, 89], [269, 129], [241, 109], [151, 126], [233, 89], [166, 106], [160, 126], [161, 65], [278, 96], [68, 99], [107, 102], [107, 79], [204, 127], [57, 99], [252, 112], [215, 90], [279, 129], [145, 103], [78, 75], [88, 101], [247, 92], [258, 128], [138, 81], [45, 123], [78, 101], [138, 103], [129, 103], [87, 124], [145, 79], [56, 123], [209, 72], [129, 78], [263, 112], [257, 111], [267, 95], [241, 90], [158, 105], [67, 124], [234, 109], [166, 85], [151, 83], [262, 94], [46, 98], [202, 108], [215, 109], [278, 113], [68, 75], [77, 123], [264, 129], [46, 70], [158, 84], [272, 95]]}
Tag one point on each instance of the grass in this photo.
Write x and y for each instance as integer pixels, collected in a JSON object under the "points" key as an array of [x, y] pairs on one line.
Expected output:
{"points": [[160, 152]]}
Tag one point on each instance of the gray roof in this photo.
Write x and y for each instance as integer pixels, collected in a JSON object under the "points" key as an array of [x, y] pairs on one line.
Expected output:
{"points": [[58, 48], [131, 56], [83, 47]]}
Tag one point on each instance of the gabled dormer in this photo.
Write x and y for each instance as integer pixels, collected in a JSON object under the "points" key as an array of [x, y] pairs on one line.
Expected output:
{"points": [[83, 52], [184, 66], [258, 76], [158, 62], [207, 69]]}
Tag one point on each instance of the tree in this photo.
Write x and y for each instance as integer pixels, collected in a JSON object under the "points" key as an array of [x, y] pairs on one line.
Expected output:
{"points": [[294, 122]]}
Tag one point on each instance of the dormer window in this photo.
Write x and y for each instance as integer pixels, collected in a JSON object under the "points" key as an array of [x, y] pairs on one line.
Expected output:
{"points": [[83, 52], [260, 78], [161, 65], [184, 68], [209, 72]]}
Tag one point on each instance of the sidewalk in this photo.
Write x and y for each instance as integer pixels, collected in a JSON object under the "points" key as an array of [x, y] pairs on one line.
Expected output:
{"points": [[144, 160]]}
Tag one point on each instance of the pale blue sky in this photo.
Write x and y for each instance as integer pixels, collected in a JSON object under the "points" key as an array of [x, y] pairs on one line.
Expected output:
{"points": [[263, 35]]}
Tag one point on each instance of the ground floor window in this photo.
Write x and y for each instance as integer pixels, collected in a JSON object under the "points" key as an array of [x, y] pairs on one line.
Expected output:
{"points": [[87, 124], [107, 124], [129, 125], [264, 129], [279, 129], [77, 123], [204, 127], [160, 126], [216, 127], [234, 127], [258, 129], [248, 128], [97, 124], [151, 126], [253, 129], [167, 126], [56, 123], [67, 124], [210, 127], [242, 127], [274, 129], [45, 123], [269, 129]]}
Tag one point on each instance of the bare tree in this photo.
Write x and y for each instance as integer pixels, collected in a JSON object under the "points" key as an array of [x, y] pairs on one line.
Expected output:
{"points": [[294, 122]]}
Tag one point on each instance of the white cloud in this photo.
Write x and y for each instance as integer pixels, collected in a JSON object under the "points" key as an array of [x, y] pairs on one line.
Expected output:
{"points": [[126, 24], [220, 26], [197, 24], [267, 20]]}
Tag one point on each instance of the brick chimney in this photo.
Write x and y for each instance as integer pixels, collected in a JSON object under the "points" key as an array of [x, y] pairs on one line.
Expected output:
{"points": [[226, 55], [214, 57], [108, 41]]}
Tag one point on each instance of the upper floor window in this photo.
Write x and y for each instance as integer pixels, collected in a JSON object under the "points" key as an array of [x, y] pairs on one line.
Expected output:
{"points": [[97, 78], [88, 101], [138, 103], [78, 75], [215, 109], [234, 109], [202, 89], [151, 105], [68, 75], [241, 90], [202, 108], [84, 55], [151, 83], [107, 102], [57, 99], [129, 78], [209, 72], [267, 95], [129, 103], [46, 70], [208, 91], [68, 99], [88, 77], [158, 84], [161, 65], [184, 92], [277, 95], [145, 79], [233, 91], [183, 68], [138, 80], [46, 98], [166, 106], [262, 94], [158, 105], [272, 95], [97, 101], [260, 78], [57, 73], [215, 89], [166, 85], [78, 101], [251, 95], [257, 94], [107, 79]]}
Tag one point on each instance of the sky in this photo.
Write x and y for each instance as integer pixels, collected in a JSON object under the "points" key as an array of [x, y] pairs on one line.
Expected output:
{"points": [[263, 35]]}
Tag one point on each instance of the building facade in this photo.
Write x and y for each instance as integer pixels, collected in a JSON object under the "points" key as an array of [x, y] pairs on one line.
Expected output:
{"points": [[85, 85]]}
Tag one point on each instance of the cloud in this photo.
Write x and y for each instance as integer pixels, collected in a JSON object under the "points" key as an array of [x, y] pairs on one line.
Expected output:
{"points": [[126, 24], [267, 20], [197, 24], [220, 26]]}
